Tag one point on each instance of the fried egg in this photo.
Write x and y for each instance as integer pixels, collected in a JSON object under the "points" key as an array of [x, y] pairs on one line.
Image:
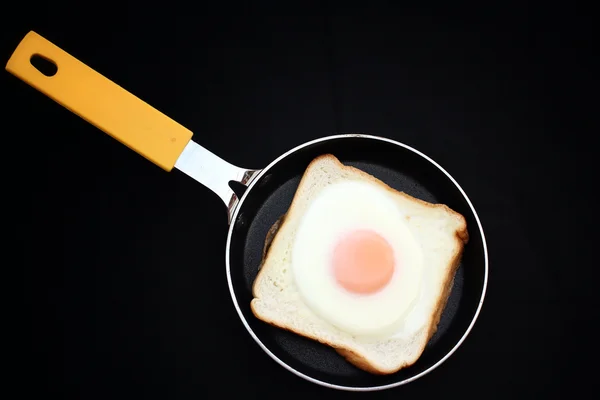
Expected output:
{"points": [[355, 261]]}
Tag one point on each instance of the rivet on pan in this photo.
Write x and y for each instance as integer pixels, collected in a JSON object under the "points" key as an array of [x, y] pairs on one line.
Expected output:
{"points": [[241, 221], [264, 180]]}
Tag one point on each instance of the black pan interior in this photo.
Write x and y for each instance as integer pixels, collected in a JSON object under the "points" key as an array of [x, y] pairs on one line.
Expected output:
{"points": [[400, 168]]}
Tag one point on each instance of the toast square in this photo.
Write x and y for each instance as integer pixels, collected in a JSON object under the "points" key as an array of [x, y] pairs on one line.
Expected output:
{"points": [[441, 232]]}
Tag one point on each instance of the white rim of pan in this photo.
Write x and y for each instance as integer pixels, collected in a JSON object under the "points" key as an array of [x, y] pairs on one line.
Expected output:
{"points": [[300, 374]]}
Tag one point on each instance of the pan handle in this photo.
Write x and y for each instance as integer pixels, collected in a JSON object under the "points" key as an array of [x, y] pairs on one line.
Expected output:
{"points": [[122, 115], [100, 101]]}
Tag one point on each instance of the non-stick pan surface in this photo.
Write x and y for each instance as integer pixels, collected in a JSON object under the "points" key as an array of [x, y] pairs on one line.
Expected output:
{"points": [[401, 167]]}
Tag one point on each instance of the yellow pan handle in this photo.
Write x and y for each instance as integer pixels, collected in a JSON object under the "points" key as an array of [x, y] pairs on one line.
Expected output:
{"points": [[101, 102]]}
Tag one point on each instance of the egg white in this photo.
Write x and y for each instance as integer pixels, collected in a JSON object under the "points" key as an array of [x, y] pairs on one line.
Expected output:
{"points": [[339, 209]]}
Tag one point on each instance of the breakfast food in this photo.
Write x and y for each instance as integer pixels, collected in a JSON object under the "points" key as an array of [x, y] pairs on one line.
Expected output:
{"points": [[359, 266]]}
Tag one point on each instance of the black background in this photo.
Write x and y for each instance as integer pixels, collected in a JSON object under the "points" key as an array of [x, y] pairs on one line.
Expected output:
{"points": [[118, 268]]}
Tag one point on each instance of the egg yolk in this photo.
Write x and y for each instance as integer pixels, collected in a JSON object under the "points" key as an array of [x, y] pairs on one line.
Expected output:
{"points": [[363, 262]]}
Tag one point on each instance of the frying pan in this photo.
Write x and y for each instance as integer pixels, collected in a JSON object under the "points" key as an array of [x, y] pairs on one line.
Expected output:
{"points": [[267, 196]]}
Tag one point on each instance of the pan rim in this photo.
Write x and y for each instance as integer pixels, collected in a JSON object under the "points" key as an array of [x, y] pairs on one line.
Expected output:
{"points": [[295, 371]]}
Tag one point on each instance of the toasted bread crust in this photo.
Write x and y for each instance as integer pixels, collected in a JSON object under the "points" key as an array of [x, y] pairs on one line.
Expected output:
{"points": [[351, 356], [271, 235], [446, 290], [358, 361]]}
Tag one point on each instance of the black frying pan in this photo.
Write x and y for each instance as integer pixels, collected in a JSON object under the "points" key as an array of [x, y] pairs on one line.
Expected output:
{"points": [[267, 194]]}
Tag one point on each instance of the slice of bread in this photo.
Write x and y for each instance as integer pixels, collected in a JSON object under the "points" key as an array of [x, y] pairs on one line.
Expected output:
{"points": [[441, 232]]}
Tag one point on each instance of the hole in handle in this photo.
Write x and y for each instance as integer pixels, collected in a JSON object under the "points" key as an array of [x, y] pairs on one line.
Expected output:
{"points": [[44, 65]]}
